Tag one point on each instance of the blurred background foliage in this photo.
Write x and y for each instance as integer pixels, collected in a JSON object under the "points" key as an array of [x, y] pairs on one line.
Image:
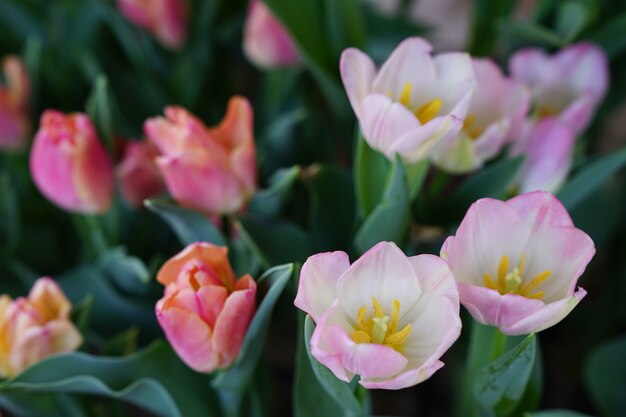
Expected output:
{"points": [[83, 56]]}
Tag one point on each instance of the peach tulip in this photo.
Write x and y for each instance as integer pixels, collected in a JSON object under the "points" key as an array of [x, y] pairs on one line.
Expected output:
{"points": [[138, 173], [209, 169], [205, 311], [69, 164], [387, 317], [35, 327], [165, 19], [517, 262], [14, 103]]}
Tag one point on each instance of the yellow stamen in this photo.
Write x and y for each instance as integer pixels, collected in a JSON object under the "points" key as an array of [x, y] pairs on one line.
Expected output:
{"points": [[502, 269], [394, 316], [512, 281], [522, 264], [489, 282], [361, 317], [398, 338], [360, 336], [405, 95], [535, 282], [428, 111], [378, 310], [380, 328]]}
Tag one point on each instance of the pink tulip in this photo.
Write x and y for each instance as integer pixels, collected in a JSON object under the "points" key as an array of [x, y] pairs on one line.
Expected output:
{"points": [[209, 169], [165, 19], [266, 42], [138, 173], [517, 262], [69, 165], [497, 110], [14, 105], [35, 327], [568, 85], [205, 311], [548, 156], [413, 102], [387, 317]]}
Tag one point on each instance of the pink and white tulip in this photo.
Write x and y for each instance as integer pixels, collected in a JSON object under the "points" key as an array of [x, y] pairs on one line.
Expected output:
{"points": [[497, 110], [568, 85], [69, 165], [138, 173], [413, 102], [387, 317], [209, 169], [517, 262], [14, 105], [35, 327], [548, 157], [205, 311], [165, 19], [266, 42]]}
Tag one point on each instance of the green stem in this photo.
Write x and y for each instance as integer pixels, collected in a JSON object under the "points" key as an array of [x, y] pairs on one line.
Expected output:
{"points": [[89, 228], [498, 346]]}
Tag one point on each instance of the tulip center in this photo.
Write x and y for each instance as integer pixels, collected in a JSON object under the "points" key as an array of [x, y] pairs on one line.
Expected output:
{"points": [[511, 281], [380, 328], [424, 113], [470, 128], [545, 111]]}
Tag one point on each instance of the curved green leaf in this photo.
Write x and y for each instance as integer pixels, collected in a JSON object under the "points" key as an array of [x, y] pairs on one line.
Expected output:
{"points": [[269, 201], [605, 375]]}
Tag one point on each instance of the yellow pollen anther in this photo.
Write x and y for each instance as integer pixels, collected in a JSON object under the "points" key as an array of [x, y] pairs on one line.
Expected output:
{"points": [[378, 310], [502, 269], [512, 282], [380, 328], [428, 111], [405, 95], [468, 127], [359, 336], [398, 338]]}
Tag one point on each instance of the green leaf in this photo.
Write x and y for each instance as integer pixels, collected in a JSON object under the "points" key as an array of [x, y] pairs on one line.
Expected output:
{"points": [[99, 110], [500, 385], [340, 391], [390, 219], [188, 225], [605, 376], [345, 24], [128, 272], [556, 413], [485, 17], [270, 201], [370, 170], [530, 33], [572, 18], [612, 36], [9, 215], [590, 177], [233, 382], [415, 175], [121, 344], [159, 388]]}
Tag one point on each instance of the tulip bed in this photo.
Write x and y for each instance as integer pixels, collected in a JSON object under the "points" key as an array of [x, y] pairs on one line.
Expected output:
{"points": [[312, 208]]}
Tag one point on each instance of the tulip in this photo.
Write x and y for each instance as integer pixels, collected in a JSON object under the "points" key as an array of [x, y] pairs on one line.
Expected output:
{"points": [[69, 165], [35, 327], [205, 311], [138, 173], [568, 85], [14, 103], [387, 317], [497, 110], [548, 157], [413, 102], [165, 19], [209, 169], [517, 262], [266, 42]]}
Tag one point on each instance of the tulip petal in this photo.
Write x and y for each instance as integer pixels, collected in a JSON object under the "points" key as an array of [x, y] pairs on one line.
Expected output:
{"points": [[357, 73], [455, 82], [214, 256], [49, 300], [541, 209]]}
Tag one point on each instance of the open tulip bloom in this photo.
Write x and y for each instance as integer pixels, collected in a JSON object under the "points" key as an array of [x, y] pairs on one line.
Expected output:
{"points": [[517, 262], [413, 102], [387, 317]]}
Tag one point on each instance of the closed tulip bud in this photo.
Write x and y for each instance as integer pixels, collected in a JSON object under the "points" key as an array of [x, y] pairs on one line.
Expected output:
{"points": [[14, 103], [69, 165], [209, 169], [35, 327], [138, 173], [205, 311], [266, 42], [165, 19]]}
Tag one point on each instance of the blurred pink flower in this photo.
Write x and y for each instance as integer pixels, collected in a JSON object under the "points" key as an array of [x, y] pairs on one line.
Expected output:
{"points": [[165, 19], [266, 42], [205, 311], [517, 262], [14, 105], [69, 165], [497, 110], [413, 102], [35, 327], [387, 317], [210, 169], [138, 173]]}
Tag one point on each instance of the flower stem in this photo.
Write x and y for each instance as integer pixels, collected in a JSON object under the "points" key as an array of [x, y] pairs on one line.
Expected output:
{"points": [[89, 228]]}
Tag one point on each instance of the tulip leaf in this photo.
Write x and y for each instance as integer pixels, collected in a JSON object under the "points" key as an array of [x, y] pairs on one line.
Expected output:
{"points": [[556, 413], [390, 219], [611, 36], [270, 201], [370, 170], [128, 272], [484, 20], [188, 225], [232, 383], [345, 24], [592, 176], [605, 375], [572, 18], [157, 389], [530, 33], [342, 392], [499, 386], [99, 110]]}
